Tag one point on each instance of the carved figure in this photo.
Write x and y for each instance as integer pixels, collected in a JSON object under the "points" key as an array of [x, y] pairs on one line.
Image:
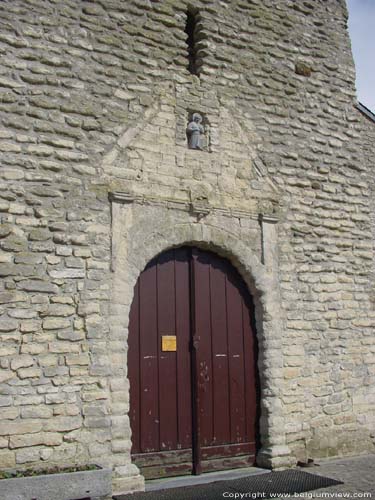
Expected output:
{"points": [[194, 132]]}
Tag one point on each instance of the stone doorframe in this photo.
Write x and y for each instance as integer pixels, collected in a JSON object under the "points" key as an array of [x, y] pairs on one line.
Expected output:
{"points": [[140, 231]]}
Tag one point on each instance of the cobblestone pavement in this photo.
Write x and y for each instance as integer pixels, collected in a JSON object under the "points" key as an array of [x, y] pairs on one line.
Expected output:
{"points": [[357, 474]]}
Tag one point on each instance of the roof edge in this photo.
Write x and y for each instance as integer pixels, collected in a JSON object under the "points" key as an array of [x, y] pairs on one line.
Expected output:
{"points": [[369, 114]]}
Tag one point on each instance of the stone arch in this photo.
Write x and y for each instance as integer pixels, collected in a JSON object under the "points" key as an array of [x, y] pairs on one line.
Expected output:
{"points": [[133, 252]]}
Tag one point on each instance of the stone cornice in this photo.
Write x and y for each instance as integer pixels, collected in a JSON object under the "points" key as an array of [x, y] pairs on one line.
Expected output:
{"points": [[200, 209]]}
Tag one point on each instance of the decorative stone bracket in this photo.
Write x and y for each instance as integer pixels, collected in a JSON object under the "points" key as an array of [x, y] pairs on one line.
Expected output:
{"points": [[269, 240]]}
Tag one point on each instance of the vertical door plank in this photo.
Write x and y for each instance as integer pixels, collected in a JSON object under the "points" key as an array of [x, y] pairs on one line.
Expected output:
{"points": [[203, 331], [236, 359], [149, 428], [183, 328], [220, 374], [195, 408], [133, 370], [167, 360], [250, 370]]}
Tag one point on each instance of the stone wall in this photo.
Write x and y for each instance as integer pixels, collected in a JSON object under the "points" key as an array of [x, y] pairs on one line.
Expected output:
{"points": [[95, 98]]}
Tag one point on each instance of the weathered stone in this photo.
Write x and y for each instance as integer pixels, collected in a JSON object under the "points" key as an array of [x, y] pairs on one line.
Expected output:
{"points": [[5, 375], [27, 455], [8, 324], [63, 347], [5, 230], [9, 413], [16, 428], [28, 258], [6, 401], [39, 235], [36, 412], [14, 243], [9, 297], [8, 147], [7, 459], [29, 326], [89, 308], [82, 359], [58, 310], [4, 442], [38, 286], [72, 336], [55, 323], [22, 361], [28, 400], [33, 372], [63, 424], [42, 438], [62, 299], [67, 273], [19, 313]]}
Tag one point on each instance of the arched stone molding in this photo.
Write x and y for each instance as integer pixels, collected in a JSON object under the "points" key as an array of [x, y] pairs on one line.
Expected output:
{"points": [[141, 232]]}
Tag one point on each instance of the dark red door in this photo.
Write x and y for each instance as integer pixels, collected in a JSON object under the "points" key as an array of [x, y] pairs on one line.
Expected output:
{"points": [[193, 405]]}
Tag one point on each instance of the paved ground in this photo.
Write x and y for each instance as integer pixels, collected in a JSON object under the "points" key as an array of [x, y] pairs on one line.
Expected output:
{"points": [[356, 473]]}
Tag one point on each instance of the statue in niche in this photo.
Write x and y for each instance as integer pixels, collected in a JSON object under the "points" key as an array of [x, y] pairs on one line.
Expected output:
{"points": [[195, 131]]}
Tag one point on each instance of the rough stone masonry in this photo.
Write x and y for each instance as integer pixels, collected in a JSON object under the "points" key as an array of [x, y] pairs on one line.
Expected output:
{"points": [[97, 179]]}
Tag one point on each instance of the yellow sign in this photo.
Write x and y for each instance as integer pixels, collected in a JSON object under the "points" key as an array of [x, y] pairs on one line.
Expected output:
{"points": [[168, 343]]}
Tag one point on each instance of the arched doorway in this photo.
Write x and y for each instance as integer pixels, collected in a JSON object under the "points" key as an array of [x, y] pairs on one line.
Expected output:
{"points": [[192, 366]]}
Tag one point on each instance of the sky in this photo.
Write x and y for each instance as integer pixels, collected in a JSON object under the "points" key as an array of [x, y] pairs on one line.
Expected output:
{"points": [[362, 34]]}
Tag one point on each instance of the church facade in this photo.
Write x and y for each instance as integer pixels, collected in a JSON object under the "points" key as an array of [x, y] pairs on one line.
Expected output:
{"points": [[186, 237]]}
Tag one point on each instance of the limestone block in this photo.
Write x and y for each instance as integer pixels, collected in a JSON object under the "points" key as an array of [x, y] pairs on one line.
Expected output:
{"points": [[61, 299], [48, 360], [6, 400], [8, 324], [67, 273], [63, 347], [9, 413], [23, 361], [63, 424], [29, 326], [33, 372], [3, 442], [78, 371], [28, 399], [36, 412], [77, 359], [33, 348], [22, 427], [97, 422], [5, 375], [72, 336], [27, 455], [39, 235], [38, 286], [128, 484], [56, 323], [57, 398], [7, 459], [58, 310], [41, 438], [121, 446]]}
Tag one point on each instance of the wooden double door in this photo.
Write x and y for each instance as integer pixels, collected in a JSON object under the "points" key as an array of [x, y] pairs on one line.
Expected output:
{"points": [[192, 366]]}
